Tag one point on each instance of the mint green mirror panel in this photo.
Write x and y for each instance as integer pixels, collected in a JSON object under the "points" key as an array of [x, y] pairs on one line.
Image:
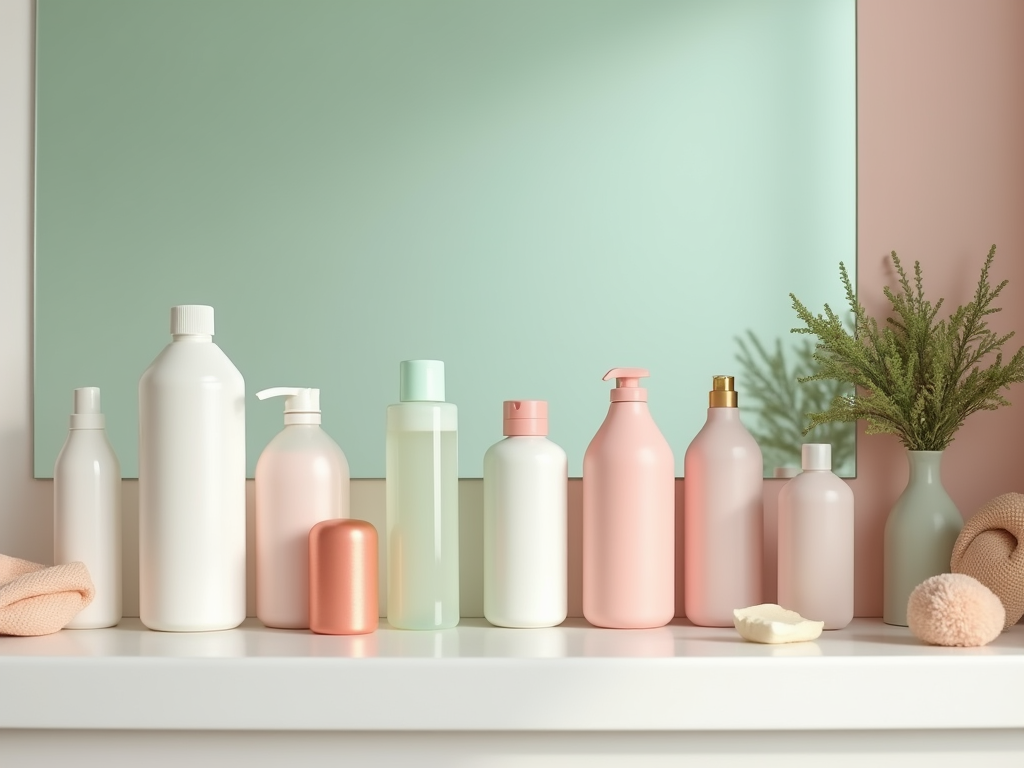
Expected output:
{"points": [[533, 191]]}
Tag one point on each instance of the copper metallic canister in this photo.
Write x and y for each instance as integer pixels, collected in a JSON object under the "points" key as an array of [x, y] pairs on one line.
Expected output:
{"points": [[343, 577]]}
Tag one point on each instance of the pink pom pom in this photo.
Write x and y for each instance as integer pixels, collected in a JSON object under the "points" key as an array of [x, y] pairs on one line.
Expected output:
{"points": [[954, 609]]}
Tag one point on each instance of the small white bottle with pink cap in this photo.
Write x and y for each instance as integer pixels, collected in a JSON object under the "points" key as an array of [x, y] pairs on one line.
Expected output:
{"points": [[525, 522]]}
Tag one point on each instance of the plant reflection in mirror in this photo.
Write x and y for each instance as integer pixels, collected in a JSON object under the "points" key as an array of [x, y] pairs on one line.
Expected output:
{"points": [[776, 405]]}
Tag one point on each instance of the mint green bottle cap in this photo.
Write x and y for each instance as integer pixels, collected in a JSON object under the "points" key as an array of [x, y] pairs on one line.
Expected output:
{"points": [[421, 380]]}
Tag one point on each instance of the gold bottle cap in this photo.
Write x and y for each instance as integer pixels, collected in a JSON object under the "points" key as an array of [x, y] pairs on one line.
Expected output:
{"points": [[723, 393]]}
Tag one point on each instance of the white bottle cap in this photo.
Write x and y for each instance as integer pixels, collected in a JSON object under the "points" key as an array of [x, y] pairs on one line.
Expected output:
{"points": [[192, 320], [87, 413], [816, 456]]}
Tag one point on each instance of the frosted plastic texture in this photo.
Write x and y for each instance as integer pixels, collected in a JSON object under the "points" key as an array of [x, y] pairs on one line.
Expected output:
{"points": [[87, 521], [525, 533], [302, 479], [191, 489], [816, 547], [723, 519], [422, 491], [628, 522]]}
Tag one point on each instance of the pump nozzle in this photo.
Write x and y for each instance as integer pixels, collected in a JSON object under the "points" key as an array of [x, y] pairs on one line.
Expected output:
{"points": [[723, 393], [303, 402], [627, 384]]}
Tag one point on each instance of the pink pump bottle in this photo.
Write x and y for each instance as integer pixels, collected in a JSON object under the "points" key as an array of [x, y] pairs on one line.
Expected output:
{"points": [[628, 514], [723, 514]]}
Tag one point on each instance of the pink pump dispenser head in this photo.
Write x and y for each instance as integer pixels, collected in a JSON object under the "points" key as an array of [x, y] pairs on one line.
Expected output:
{"points": [[525, 418], [627, 384]]}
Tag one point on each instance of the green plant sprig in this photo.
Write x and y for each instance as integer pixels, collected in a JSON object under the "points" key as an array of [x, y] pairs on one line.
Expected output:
{"points": [[916, 376]]}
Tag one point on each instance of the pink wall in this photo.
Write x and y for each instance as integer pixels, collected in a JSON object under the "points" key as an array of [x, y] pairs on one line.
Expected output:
{"points": [[941, 178]]}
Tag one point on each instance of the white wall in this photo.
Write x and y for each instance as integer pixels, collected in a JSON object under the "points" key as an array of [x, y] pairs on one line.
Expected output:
{"points": [[25, 504]]}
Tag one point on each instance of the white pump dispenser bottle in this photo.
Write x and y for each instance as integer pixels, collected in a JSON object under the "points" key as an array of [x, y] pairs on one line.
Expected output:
{"points": [[302, 478], [87, 510]]}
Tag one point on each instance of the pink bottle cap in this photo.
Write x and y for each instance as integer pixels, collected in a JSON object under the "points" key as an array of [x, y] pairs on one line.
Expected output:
{"points": [[525, 417], [627, 384]]}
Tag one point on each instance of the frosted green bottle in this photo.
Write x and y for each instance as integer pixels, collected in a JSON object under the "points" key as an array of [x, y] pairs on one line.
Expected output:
{"points": [[422, 501]]}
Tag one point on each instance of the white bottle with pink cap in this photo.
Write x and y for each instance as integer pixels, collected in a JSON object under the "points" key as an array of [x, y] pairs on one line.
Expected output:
{"points": [[525, 522], [628, 514]]}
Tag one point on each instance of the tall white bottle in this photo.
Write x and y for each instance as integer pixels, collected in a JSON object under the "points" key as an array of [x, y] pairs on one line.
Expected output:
{"points": [[87, 509], [525, 522], [723, 514], [191, 482], [302, 479], [422, 490], [816, 541]]}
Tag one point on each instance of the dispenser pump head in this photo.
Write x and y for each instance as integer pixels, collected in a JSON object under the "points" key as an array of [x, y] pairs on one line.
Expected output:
{"points": [[88, 414], [627, 384], [723, 393], [301, 405]]}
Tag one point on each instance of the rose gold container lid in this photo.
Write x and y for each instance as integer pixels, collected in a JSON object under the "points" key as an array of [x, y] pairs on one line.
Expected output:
{"points": [[343, 577]]}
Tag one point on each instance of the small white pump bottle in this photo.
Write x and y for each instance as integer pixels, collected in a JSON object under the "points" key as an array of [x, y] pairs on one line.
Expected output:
{"points": [[302, 478], [816, 541], [87, 509], [525, 521], [191, 482]]}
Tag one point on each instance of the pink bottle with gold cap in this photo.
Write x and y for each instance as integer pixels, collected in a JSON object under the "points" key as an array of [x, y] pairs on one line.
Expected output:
{"points": [[628, 514], [723, 516]]}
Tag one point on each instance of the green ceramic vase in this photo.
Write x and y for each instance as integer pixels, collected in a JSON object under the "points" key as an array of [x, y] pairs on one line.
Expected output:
{"points": [[919, 535]]}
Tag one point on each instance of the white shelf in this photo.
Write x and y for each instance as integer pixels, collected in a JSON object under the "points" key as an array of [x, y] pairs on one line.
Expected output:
{"points": [[477, 677]]}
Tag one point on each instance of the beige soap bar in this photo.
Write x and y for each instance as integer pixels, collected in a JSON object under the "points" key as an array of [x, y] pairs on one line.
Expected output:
{"points": [[770, 623]]}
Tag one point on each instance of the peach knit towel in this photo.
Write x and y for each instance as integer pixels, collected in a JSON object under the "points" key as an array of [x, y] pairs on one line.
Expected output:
{"points": [[38, 599], [991, 549]]}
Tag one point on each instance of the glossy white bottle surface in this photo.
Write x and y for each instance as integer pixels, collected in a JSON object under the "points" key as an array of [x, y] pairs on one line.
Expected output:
{"points": [[302, 478], [191, 482], [816, 530], [87, 510], [723, 515], [525, 523], [422, 490]]}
